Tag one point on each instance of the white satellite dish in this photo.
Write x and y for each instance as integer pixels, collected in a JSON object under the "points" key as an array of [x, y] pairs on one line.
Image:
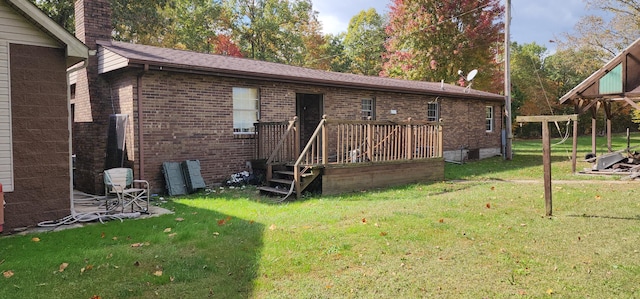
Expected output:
{"points": [[472, 74]]}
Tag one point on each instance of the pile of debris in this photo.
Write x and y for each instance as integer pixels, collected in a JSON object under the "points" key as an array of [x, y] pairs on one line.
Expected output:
{"points": [[624, 162]]}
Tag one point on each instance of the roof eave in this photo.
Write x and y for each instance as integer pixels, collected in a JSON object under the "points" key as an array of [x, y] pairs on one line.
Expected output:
{"points": [[295, 79], [76, 50]]}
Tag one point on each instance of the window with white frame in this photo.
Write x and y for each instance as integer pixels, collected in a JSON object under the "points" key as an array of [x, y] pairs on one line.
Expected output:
{"points": [[368, 109], [246, 110], [489, 118], [433, 111]]}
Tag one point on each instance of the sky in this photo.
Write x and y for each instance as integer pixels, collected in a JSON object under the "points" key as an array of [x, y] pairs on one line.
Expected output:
{"points": [[537, 21]]}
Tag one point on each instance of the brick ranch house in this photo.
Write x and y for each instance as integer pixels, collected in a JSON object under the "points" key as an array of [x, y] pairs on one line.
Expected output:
{"points": [[35, 135], [183, 105]]}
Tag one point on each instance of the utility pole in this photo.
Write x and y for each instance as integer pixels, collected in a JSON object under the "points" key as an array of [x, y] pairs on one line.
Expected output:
{"points": [[508, 155]]}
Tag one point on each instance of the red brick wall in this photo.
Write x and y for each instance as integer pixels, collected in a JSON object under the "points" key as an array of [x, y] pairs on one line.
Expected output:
{"points": [[39, 115], [92, 101], [187, 116]]}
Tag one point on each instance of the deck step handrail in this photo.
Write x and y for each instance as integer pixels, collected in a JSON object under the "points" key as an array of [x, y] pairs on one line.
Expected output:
{"points": [[290, 130]]}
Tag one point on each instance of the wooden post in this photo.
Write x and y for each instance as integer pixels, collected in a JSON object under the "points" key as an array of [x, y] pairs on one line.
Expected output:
{"points": [[296, 141], [546, 162], [594, 128], [574, 153], [440, 144], [369, 142], [325, 141], [607, 115], [409, 131], [546, 150]]}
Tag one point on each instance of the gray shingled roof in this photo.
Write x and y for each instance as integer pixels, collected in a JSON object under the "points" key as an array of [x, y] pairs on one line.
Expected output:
{"points": [[179, 60]]}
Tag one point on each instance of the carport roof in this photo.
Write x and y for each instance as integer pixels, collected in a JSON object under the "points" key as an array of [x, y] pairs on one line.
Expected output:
{"points": [[118, 55], [617, 80]]}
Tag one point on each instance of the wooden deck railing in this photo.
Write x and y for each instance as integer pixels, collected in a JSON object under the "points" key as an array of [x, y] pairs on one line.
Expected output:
{"points": [[278, 142], [347, 142], [350, 141]]}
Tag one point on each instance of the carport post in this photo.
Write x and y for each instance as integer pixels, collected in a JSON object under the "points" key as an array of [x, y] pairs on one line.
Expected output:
{"points": [[546, 150]]}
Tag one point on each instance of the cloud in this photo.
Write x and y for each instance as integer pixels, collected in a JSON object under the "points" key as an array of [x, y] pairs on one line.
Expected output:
{"points": [[332, 24]]}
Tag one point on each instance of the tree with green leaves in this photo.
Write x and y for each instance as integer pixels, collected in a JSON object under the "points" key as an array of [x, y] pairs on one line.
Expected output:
{"points": [[431, 40], [335, 53], [615, 27], [182, 24], [364, 42], [273, 30], [60, 11]]}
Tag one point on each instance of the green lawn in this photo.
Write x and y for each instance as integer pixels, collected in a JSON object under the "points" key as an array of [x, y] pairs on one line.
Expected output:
{"points": [[485, 237]]}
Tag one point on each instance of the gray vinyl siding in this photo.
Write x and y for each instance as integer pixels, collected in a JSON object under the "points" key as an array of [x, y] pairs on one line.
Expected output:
{"points": [[6, 161], [16, 29]]}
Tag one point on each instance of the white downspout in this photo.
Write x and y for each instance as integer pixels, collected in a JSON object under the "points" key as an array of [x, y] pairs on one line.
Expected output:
{"points": [[70, 128]]}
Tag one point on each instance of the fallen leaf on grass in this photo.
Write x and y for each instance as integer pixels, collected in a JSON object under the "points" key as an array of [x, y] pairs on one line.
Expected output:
{"points": [[488, 205], [63, 266], [172, 235], [383, 233], [137, 264], [7, 274], [364, 220], [216, 234], [35, 239], [224, 221], [493, 188], [102, 235], [171, 278], [96, 297], [598, 197], [158, 273], [114, 238], [179, 219], [550, 291], [272, 227], [441, 220], [86, 268], [166, 230]]}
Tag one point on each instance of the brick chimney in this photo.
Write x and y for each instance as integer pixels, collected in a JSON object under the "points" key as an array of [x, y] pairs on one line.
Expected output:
{"points": [[91, 102], [93, 21]]}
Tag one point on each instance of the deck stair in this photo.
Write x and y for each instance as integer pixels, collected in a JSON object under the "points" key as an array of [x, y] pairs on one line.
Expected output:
{"points": [[281, 181]]}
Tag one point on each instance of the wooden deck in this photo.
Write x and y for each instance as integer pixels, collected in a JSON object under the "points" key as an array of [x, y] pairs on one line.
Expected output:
{"points": [[349, 155]]}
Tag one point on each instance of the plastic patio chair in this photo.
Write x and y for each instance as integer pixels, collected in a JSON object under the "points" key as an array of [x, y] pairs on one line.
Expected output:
{"points": [[129, 192]]}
